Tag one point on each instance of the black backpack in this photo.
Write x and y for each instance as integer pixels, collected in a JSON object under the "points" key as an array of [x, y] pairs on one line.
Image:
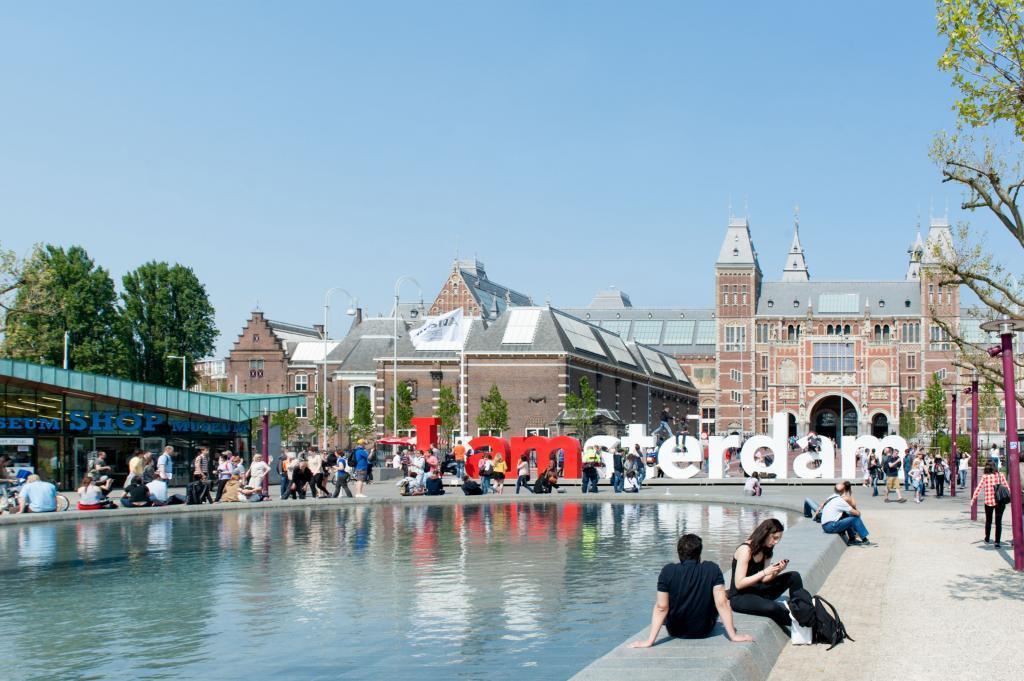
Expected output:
{"points": [[820, 615], [351, 459]]}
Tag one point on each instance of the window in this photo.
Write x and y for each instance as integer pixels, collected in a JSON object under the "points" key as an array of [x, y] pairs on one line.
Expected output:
{"points": [[648, 332], [482, 432], [736, 396], [763, 426], [679, 332], [885, 333], [736, 376], [764, 405], [941, 374], [707, 420], [542, 432], [911, 382], [706, 332], [911, 405], [300, 410], [735, 338], [911, 361], [764, 383], [790, 332], [255, 363], [255, 338], [764, 362], [846, 329], [931, 293], [301, 383], [939, 338], [763, 333], [833, 357], [969, 414], [1002, 419]]}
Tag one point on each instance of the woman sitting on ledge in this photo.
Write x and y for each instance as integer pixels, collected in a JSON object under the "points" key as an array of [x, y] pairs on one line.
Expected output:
{"points": [[91, 497], [755, 587]]}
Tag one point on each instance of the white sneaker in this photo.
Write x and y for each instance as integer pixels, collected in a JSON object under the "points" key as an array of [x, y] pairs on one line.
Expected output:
{"points": [[360, 496]]}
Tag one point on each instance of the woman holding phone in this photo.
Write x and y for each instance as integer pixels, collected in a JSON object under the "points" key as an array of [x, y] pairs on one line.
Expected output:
{"points": [[756, 581]]}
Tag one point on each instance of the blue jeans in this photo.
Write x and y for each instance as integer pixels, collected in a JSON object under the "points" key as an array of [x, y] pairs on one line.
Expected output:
{"points": [[663, 426], [874, 485], [847, 526], [590, 480], [962, 478], [485, 484], [617, 482], [284, 485], [641, 474], [810, 508], [460, 469]]}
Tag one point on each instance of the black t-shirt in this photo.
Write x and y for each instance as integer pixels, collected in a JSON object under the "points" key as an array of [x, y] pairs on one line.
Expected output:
{"points": [[137, 494], [301, 477], [691, 603], [892, 465], [435, 486]]}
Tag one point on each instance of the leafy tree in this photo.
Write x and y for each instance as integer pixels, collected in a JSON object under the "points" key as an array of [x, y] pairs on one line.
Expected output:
{"points": [[932, 410], [493, 411], [581, 409], [989, 401], [447, 410], [984, 54], [318, 418], [908, 425], [942, 442], [361, 424], [287, 421], [403, 409], [21, 287], [64, 290], [168, 313]]}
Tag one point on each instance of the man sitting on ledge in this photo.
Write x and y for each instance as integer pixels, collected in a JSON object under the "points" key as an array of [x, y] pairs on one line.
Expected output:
{"points": [[471, 487], [434, 484], [691, 596]]}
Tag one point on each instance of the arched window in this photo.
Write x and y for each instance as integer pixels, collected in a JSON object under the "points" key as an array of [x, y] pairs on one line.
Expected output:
{"points": [[878, 332], [798, 332], [790, 332], [846, 329], [885, 333], [828, 330]]}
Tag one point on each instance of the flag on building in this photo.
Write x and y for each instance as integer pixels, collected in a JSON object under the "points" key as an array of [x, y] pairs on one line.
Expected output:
{"points": [[445, 332]]}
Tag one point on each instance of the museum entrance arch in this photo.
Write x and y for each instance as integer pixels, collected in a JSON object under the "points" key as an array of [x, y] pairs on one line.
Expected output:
{"points": [[831, 411], [879, 425]]}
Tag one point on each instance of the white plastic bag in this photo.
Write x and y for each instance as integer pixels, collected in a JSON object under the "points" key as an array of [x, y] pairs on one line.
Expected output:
{"points": [[799, 636]]}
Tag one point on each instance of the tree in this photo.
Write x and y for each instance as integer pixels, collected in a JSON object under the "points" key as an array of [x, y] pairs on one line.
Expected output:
{"points": [[493, 411], [19, 280], [448, 411], [985, 55], [287, 421], [908, 425], [403, 409], [989, 402], [932, 410], [361, 424], [167, 312], [318, 418], [64, 290], [581, 409]]}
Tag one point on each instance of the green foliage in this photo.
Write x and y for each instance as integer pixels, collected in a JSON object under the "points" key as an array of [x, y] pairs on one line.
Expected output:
{"points": [[984, 45], [447, 410], [942, 440], [581, 409], [167, 312], [65, 290], [403, 409], [493, 411], [21, 287], [287, 421], [932, 410], [361, 424], [318, 417], [989, 401], [908, 425]]}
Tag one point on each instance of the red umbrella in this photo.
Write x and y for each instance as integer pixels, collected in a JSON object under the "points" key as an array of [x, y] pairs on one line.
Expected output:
{"points": [[401, 441]]}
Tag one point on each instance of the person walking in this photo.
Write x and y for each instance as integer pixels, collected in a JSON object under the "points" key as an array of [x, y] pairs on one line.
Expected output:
{"points": [[963, 466], [917, 477], [523, 473], [316, 467], [362, 467], [165, 464], [201, 464], [666, 419], [997, 493], [993, 455], [486, 470], [874, 474], [618, 472], [498, 473], [939, 472], [284, 470], [891, 463], [908, 461], [459, 452], [341, 476], [591, 460], [135, 467]]}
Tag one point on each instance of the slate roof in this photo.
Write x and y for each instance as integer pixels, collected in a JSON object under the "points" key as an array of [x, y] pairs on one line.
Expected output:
{"points": [[676, 330], [491, 297], [883, 298]]}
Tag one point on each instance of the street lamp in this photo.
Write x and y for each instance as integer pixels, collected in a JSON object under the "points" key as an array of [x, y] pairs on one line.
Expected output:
{"points": [[394, 360], [182, 358], [1006, 328], [351, 311], [973, 392], [953, 463]]}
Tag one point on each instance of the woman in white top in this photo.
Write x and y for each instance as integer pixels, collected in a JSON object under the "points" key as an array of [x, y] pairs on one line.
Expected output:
{"points": [[90, 496]]}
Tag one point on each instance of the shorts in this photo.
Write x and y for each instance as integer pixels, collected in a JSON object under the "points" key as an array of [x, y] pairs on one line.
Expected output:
{"points": [[360, 476], [500, 477], [892, 482]]}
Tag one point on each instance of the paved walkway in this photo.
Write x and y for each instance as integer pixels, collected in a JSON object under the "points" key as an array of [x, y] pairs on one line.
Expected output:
{"points": [[925, 603]]}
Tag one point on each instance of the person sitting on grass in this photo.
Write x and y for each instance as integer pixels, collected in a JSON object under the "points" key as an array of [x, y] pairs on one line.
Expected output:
{"points": [[471, 487], [434, 485], [690, 598]]}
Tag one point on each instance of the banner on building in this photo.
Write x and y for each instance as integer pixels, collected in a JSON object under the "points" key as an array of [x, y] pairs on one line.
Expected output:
{"points": [[446, 332]]}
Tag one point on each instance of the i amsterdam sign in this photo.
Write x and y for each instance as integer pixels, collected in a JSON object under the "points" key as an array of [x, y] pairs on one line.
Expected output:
{"points": [[118, 422], [679, 463]]}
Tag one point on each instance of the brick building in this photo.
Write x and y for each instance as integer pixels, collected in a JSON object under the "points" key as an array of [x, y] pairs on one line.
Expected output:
{"points": [[835, 356]]}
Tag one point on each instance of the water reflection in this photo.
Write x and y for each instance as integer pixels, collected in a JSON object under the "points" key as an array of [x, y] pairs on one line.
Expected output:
{"points": [[445, 591]]}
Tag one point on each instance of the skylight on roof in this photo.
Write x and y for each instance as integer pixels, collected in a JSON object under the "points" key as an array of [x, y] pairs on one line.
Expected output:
{"points": [[679, 332], [654, 361], [838, 303], [647, 331], [617, 326], [618, 348], [580, 335], [522, 327], [706, 332]]}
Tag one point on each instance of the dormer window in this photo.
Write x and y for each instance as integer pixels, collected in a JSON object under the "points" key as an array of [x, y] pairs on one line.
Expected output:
{"points": [[771, 303], [796, 303], [881, 303], [736, 251]]}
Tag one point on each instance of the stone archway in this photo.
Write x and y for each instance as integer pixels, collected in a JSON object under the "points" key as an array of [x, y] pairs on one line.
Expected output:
{"points": [[880, 425], [827, 414]]}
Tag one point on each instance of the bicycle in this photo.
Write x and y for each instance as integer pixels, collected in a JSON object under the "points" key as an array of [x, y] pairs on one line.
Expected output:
{"points": [[9, 500]]}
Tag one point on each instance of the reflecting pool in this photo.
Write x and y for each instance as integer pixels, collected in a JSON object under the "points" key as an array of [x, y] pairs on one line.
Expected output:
{"points": [[524, 591]]}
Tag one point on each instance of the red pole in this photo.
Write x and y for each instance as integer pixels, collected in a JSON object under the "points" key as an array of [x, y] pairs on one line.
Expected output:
{"points": [[952, 453], [1012, 447], [266, 453], [974, 445]]}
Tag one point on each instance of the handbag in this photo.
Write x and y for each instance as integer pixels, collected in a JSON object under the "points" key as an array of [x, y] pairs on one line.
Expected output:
{"points": [[1002, 494]]}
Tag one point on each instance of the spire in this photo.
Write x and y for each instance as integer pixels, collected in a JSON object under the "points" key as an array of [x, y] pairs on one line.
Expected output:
{"points": [[916, 252], [738, 248], [796, 264], [938, 246]]}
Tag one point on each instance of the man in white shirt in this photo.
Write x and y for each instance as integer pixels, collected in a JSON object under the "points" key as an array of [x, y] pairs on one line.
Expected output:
{"points": [[839, 515], [165, 463], [158, 491]]}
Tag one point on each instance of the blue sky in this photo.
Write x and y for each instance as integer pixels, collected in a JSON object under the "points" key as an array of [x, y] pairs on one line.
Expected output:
{"points": [[283, 148]]}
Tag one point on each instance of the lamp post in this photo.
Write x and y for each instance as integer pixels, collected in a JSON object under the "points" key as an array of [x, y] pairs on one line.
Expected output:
{"points": [[394, 359], [953, 467], [350, 312], [182, 358], [1006, 328], [973, 392], [266, 451]]}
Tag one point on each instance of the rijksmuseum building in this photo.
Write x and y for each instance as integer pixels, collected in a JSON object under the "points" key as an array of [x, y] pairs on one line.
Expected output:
{"points": [[839, 358]]}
